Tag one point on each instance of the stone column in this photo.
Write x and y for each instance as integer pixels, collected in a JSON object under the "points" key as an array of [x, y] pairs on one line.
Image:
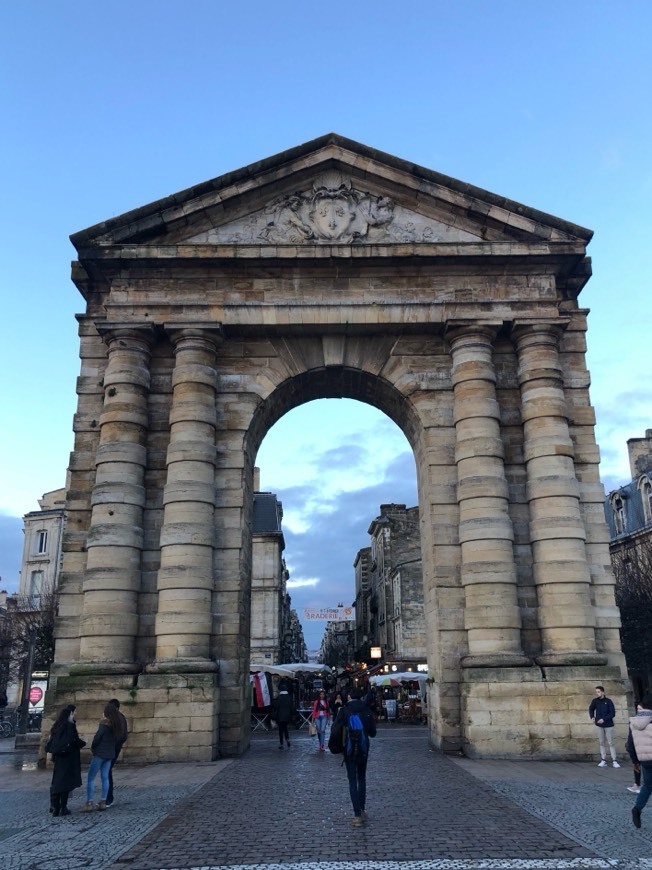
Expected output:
{"points": [[561, 573], [185, 577], [109, 622], [491, 615]]}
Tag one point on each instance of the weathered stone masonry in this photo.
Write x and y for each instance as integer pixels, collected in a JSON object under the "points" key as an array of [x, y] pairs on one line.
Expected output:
{"points": [[334, 270]]}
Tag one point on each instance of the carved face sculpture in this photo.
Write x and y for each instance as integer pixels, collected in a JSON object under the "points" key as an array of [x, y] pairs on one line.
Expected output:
{"points": [[332, 216]]}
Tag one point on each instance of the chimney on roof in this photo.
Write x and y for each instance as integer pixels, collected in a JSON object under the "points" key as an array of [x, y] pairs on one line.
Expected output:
{"points": [[640, 454], [256, 479]]}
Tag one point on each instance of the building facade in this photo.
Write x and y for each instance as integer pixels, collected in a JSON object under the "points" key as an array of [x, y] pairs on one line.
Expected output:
{"points": [[42, 548], [396, 599], [31, 610], [334, 270], [628, 512], [364, 620], [276, 633]]}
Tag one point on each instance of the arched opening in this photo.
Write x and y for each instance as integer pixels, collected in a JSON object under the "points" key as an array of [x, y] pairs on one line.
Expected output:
{"points": [[332, 464]]}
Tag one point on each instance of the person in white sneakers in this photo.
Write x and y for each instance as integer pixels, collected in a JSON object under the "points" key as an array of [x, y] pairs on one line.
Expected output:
{"points": [[640, 728], [602, 711]]}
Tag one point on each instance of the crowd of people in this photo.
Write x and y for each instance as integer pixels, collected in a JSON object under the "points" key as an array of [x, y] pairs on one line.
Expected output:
{"points": [[352, 719], [638, 746]]}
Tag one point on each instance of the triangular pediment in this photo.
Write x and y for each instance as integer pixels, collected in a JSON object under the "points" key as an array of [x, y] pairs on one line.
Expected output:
{"points": [[333, 208], [331, 191]]}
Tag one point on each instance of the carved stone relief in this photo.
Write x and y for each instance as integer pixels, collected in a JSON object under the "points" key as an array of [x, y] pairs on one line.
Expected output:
{"points": [[332, 211]]}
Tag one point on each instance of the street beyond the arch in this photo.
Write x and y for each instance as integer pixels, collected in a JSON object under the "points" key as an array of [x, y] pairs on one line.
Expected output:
{"points": [[270, 808]]}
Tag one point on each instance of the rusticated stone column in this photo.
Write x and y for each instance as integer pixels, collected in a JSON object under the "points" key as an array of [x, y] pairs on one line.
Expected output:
{"points": [[488, 572], [561, 573], [109, 622], [185, 577]]}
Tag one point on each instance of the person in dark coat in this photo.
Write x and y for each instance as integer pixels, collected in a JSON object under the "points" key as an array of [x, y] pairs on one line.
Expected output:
{"points": [[118, 746], [356, 768], [283, 711], [64, 745], [103, 747]]}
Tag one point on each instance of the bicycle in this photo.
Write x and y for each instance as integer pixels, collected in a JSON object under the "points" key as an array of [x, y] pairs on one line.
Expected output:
{"points": [[8, 725]]}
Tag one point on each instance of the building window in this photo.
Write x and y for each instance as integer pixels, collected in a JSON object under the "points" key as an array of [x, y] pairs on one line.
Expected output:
{"points": [[620, 519], [36, 584], [645, 488], [42, 541], [397, 594]]}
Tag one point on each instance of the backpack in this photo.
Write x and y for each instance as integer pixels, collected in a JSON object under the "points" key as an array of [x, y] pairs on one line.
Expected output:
{"points": [[356, 742], [336, 739]]}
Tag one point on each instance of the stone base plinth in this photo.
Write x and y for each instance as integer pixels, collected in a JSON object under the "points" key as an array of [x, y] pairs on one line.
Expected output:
{"points": [[171, 717], [538, 713]]}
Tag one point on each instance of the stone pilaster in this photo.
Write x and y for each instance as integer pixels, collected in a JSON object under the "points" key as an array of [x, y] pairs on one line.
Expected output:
{"points": [[185, 577], [488, 571], [109, 621], [561, 572]]}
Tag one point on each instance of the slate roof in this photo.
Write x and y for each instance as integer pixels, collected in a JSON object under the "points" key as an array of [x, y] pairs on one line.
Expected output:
{"points": [[268, 514]]}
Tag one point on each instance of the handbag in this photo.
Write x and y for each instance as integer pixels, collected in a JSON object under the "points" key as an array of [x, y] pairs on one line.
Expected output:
{"points": [[311, 729]]}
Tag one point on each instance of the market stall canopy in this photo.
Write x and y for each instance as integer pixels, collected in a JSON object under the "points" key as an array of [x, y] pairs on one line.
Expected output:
{"points": [[404, 676], [384, 680], [290, 670], [275, 670], [307, 667], [396, 678]]}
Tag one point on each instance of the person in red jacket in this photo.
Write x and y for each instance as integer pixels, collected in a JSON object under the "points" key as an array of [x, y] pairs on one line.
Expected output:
{"points": [[321, 715]]}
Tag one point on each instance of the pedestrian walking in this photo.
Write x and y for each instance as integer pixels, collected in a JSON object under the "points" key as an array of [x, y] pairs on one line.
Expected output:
{"points": [[118, 748], [351, 732], [103, 748], [602, 711], [631, 751], [283, 711], [320, 718], [64, 745], [336, 705], [640, 730]]}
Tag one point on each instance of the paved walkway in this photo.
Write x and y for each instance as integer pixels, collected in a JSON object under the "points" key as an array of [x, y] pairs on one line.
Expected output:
{"points": [[291, 808]]}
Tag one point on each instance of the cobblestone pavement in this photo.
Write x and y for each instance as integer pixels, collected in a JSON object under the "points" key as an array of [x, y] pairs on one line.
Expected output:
{"points": [[291, 808]]}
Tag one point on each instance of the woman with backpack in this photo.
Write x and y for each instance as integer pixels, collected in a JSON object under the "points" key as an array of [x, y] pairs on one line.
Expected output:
{"points": [[108, 735], [64, 744], [321, 715]]}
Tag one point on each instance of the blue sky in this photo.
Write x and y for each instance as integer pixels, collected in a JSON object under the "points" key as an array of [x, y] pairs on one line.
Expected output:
{"points": [[106, 107]]}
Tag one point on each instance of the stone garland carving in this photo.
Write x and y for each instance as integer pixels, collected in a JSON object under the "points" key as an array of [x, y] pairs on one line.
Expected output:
{"points": [[332, 211]]}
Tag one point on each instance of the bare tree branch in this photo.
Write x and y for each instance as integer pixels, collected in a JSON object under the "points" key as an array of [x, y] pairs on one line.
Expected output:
{"points": [[26, 616], [632, 563]]}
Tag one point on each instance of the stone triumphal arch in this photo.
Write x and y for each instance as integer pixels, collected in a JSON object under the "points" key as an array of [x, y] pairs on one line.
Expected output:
{"points": [[336, 270]]}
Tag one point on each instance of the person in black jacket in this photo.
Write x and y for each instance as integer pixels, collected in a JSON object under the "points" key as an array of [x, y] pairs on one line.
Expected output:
{"points": [[283, 710], [356, 764], [64, 745], [118, 746], [103, 747], [602, 711]]}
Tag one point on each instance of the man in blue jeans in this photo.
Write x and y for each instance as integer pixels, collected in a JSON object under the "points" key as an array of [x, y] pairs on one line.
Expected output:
{"points": [[356, 761]]}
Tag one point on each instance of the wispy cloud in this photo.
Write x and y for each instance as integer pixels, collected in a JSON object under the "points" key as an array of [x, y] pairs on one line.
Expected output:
{"points": [[297, 583]]}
